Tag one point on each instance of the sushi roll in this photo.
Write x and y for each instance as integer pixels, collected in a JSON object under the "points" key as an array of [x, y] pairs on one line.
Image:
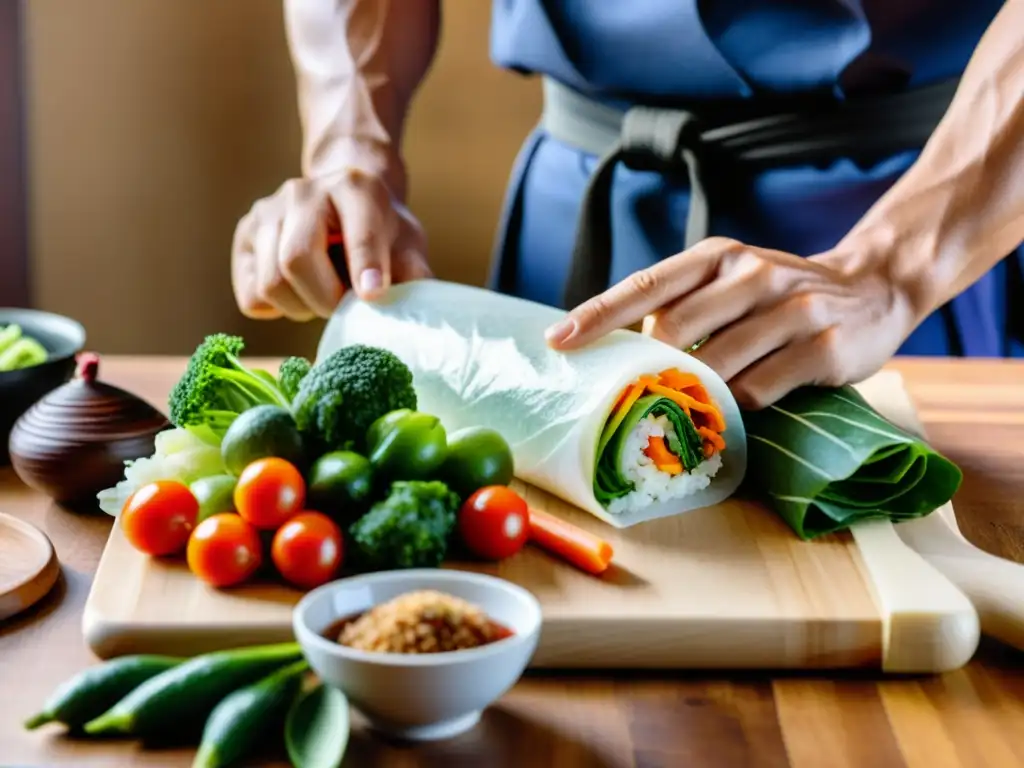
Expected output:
{"points": [[663, 441]]}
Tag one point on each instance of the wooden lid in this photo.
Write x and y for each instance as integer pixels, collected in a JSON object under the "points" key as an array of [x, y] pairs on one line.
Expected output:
{"points": [[85, 410]]}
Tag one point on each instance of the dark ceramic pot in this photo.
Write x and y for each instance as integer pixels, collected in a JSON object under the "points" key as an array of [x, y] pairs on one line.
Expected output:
{"points": [[74, 441]]}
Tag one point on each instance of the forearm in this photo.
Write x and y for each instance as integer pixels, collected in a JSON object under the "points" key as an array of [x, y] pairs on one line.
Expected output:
{"points": [[960, 208], [357, 65]]}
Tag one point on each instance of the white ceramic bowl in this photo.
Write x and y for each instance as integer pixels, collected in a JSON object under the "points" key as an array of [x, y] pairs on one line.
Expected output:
{"points": [[419, 696]]}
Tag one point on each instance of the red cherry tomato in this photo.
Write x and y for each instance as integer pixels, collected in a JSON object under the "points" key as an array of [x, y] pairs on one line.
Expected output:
{"points": [[307, 550], [268, 492], [224, 550], [494, 522], [158, 518]]}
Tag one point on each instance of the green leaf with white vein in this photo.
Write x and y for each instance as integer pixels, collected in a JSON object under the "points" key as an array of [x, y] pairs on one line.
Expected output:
{"points": [[824, 459]]}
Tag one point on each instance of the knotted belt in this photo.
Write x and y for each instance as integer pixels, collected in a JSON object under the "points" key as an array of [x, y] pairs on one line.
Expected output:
{"points": [[710, 149]]}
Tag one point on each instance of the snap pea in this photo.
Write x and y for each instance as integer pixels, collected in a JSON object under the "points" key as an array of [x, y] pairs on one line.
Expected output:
{"points": [[183, 696], [92, 692], [241, 718], [316, 730]]}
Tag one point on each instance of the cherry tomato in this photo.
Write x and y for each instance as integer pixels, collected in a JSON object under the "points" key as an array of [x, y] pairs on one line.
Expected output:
{"points": [[269, 491], [158, 518], [494, 522], [307, 550], [224, 550]]}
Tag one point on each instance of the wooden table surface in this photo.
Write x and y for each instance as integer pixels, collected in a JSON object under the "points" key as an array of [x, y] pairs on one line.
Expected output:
{"points": [[973, 411]]}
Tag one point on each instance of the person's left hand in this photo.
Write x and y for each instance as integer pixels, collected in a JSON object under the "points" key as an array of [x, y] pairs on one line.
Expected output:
{"points": [[776, 321]]}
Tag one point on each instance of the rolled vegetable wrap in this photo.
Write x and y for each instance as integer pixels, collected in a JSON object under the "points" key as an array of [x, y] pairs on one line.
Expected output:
{"points": [[628, 429]]}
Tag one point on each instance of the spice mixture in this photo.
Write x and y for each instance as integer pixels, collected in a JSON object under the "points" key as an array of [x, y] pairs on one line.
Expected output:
{"points": [[422, 622]]}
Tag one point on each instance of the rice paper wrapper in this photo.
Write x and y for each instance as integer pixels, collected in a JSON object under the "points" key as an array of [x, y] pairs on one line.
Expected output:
{"points": [[479, 358]]}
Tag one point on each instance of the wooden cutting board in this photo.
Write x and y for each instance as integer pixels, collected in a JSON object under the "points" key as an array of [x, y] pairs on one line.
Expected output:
{"points": [[725, 587]]}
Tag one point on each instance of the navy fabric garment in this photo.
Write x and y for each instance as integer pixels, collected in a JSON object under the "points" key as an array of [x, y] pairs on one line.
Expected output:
{"points": [[627, 51]]}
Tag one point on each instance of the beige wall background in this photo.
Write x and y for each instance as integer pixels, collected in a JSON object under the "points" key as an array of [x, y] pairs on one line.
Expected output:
{"points": [[153, 125]]}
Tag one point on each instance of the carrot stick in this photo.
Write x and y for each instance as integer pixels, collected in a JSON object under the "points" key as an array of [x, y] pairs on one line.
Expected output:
{"points": [[663, 458], [586, 551], [716, 440]]}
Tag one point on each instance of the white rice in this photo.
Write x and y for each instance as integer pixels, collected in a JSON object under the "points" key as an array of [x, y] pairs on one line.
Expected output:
{"points": [[651, 484]]}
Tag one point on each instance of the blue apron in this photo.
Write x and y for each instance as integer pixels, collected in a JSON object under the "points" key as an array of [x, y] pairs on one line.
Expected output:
{"points": [[734, 48]]}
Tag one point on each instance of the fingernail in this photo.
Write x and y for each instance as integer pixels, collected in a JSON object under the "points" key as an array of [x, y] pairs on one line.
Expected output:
{"points": [[560, 332], [370, 281]]}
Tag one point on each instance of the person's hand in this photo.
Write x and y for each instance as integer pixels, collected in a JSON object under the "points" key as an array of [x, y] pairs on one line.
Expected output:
{"points": [[776, 321], [279, 261]]}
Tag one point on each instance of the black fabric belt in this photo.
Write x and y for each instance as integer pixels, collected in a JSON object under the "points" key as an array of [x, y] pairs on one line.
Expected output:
{"points": [[710, 147]]}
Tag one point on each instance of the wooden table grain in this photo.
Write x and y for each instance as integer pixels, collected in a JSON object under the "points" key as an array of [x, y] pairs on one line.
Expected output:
{"points": [[972, 718]]}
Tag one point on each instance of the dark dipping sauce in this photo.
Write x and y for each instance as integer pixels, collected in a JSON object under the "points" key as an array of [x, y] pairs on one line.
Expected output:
{"points": [[418, 622]]}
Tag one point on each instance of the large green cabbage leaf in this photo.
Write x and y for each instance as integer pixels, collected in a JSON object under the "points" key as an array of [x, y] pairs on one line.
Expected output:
{"points": [[824, 459]]}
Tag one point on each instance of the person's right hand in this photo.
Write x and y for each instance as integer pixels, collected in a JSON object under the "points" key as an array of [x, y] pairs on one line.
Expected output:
{"points": [[279, 261]]}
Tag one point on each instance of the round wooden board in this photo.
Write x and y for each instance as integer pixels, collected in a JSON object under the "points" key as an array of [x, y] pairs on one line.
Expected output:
{"points": [[28, 565]]}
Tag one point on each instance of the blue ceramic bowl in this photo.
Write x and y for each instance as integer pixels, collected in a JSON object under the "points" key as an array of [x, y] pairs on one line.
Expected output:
{"points": [[63, 339]]}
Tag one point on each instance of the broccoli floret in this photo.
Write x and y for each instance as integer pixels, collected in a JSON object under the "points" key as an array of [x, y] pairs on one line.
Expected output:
{"points": [[216, 387], [409, 529], [346, 392], [291, 373]]}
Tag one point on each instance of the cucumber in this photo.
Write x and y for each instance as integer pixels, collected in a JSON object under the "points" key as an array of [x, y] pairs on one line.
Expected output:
{"points": [[259, 433], [183, 696], [8, 335], [23, 353], [317, 728], [238, 723], [91, 693]]}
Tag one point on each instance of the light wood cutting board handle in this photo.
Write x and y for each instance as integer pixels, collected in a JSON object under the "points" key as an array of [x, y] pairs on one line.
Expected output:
{"points": [[928, 623], [995, 586]]}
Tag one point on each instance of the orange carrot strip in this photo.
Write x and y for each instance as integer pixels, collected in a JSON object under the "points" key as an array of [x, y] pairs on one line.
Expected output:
{"points": [[687, 403], [663, 458], [716, 440], [687, 383], [586, 551], [698, 393], [673, 378]]}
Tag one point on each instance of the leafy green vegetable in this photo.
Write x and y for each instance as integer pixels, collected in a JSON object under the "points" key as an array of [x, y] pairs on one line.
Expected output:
{"points": [[291, 373], [409, 529], [345, 393], [178, 455], [216, 387], [824, 459], [317, 728], [683, 441]]}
